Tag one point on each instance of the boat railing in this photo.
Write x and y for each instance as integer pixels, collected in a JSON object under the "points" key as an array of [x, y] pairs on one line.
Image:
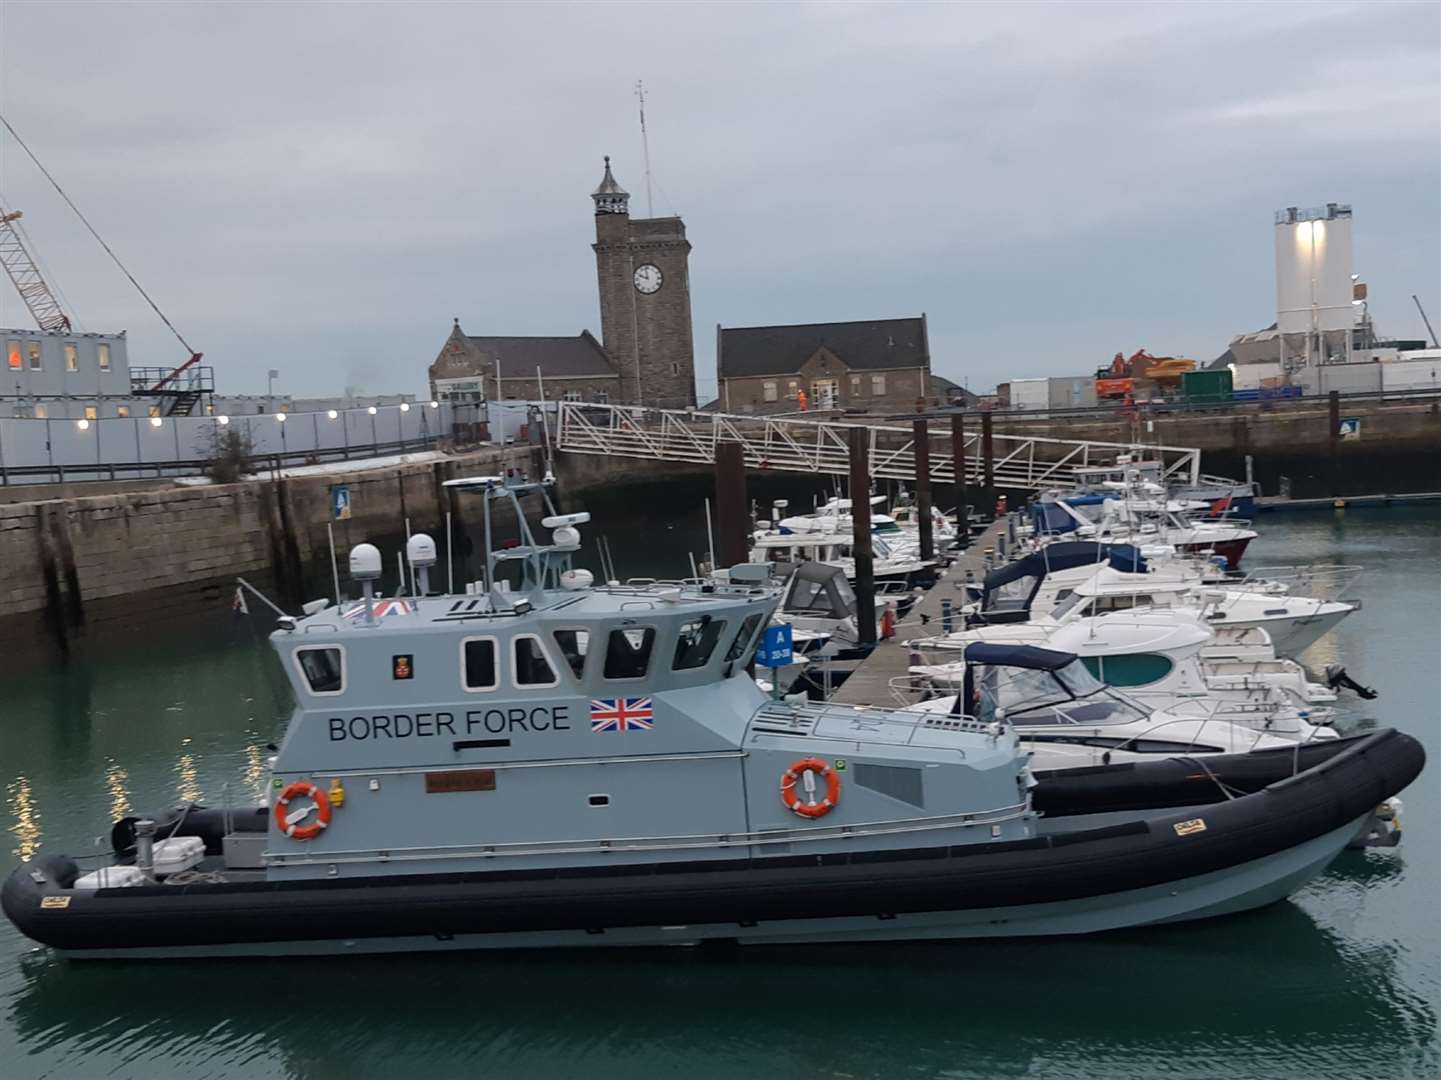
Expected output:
{"points": [[610, 846], [1322, 581], [802, 718]]}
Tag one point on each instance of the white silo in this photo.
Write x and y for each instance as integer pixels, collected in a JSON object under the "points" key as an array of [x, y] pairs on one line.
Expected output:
{"points": [[1314, 314]]}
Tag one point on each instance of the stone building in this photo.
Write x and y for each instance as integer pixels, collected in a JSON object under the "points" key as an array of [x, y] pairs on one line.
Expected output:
{"points": [[646, 353], [882, 365]]}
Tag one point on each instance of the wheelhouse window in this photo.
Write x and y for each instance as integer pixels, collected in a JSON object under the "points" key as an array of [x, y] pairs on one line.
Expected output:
{"points": [[627, 652], [1131, 669], [696, 642], [747, 632], [532, 666], [478, 662], [574, 645], [323, 669]]}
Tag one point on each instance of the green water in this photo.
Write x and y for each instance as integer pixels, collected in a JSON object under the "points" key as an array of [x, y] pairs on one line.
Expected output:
{"points": [[1343, 981]]}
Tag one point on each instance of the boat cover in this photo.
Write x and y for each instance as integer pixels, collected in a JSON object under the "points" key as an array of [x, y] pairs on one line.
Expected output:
{"points": [[1019, 656]]}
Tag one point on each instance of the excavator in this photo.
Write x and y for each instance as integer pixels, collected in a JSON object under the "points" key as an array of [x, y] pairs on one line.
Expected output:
{"points": [[1118, 381]]}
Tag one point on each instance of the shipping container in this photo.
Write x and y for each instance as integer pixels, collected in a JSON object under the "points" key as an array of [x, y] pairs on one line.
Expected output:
{"points": [[1207, 387], [1073, 392], [1255, 376], [1412, 373], [1030, 393], [1342, 378]]}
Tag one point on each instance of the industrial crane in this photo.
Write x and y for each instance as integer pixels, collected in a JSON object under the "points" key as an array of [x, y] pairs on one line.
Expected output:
{"points": [[29, 282]]}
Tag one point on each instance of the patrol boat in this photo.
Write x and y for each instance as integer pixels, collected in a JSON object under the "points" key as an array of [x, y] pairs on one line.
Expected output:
{"points": [[542, 761]]}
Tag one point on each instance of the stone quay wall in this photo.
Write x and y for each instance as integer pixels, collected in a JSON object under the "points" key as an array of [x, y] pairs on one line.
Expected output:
{"points": [[71, 567]]}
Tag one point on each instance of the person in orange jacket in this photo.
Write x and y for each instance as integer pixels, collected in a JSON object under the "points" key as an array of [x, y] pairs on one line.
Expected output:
{"points": [[801, 400]]}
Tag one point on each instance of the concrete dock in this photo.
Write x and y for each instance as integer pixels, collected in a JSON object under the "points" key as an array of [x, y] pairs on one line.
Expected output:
{"points": [[870, 684]]}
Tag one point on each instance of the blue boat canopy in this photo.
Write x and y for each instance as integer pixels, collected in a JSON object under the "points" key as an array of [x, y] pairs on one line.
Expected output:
{"points": [[1032, 657], [1062, 556]]}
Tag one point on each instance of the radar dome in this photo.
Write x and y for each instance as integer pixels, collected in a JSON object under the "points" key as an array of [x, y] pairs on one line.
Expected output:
{"points": [[420, 548], [576, 579], [365, 562], [566, 536]]}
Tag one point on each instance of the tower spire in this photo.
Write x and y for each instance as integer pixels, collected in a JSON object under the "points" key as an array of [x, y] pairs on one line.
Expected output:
{"points": [[610, 197]]}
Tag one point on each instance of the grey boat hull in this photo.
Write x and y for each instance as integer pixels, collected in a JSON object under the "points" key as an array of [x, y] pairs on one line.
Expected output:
{"points": [[1132, 864], [1243, 888]]}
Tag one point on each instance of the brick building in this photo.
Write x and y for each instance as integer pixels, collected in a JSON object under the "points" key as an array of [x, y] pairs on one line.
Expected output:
{"points": [[646, 353], [883, 365]]}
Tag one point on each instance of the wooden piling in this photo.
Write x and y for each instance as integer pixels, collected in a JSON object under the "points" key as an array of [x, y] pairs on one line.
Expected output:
{"points": [[988, 461], [1333, 414], [922, 443], [732, 524], [861, 548], [958, 463]]}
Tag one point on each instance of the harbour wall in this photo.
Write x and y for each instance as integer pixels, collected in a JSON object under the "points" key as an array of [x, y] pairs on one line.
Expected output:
{"points": [[1294, 450], [74, 569]]}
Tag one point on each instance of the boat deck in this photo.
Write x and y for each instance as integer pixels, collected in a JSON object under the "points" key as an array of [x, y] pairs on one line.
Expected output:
{"points": [[870, 684]]}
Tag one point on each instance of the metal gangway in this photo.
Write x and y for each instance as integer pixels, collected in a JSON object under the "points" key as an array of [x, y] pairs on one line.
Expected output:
{"points": [[790, 444]]}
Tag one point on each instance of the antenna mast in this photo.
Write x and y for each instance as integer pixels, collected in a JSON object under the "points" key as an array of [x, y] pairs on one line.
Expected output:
{"points": [[645, 149]]}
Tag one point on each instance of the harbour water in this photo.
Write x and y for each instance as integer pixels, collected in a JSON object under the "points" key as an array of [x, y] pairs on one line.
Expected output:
{"points": [[1344, 981]]}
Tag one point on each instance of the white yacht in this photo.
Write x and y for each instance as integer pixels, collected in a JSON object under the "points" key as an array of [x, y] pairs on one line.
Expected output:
{"points": [[1158, 659], [1067, 717]]}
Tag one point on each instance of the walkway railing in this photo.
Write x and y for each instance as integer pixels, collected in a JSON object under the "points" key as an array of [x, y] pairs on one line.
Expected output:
{"points": [[819, 446]]}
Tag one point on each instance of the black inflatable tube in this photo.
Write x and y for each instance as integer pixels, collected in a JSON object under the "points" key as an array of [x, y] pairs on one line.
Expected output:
{"points": [[1331, 794]]}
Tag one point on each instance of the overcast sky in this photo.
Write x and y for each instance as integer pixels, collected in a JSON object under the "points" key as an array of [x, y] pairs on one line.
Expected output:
{"points": [[320, 188]]}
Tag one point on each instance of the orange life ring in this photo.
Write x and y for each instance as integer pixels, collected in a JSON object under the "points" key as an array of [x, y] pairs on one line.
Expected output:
{"points": [[812, 808], [322, 811]]}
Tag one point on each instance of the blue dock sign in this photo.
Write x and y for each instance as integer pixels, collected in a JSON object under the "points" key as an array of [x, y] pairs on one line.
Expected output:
{"points": [[340, 502], [776, 649], [1350, 428]]}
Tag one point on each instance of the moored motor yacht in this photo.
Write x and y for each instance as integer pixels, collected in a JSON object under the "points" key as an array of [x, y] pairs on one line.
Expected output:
{"points": [[543, 761]]}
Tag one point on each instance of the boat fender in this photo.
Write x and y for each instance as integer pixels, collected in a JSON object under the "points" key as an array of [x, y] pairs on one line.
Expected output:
{"points": [[288, 823], [888, 623], [805, 771]]}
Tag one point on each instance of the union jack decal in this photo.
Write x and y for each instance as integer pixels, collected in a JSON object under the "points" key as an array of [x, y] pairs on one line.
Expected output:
{"points": [[621, 714], [383, 607]]}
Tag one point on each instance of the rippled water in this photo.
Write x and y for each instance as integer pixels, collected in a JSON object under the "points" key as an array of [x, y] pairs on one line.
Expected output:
{"points": [[1344, 981]]}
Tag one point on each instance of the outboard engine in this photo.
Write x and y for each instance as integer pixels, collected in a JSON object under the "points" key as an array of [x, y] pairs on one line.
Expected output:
{"points": [[1337, 679]]}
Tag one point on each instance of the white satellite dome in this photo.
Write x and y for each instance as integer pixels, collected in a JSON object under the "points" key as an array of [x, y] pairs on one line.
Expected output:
{"points": [[365, 562], [420, 549]]}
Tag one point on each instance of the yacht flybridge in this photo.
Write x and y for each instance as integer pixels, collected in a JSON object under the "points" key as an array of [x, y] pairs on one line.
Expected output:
{"points": [[544, 761]]}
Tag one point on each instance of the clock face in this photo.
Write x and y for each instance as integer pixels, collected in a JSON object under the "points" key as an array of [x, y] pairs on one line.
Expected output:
{"points": [[648, 279]]}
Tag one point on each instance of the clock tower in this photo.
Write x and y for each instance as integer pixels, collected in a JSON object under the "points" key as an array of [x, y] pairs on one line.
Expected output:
{"points": [[643, 274]]}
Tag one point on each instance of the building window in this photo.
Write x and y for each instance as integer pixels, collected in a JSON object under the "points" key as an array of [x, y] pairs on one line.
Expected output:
{"points": [[602, 397], [855, 386], [102, 355], [40, 412], [92, 412], [878, 385], [12, 354], [72, 356], [122, 410], [768, 389], [155, 410], [324, 669], [674, 368], [793, 388], [24, 412], [32, 350], [572, 395]]}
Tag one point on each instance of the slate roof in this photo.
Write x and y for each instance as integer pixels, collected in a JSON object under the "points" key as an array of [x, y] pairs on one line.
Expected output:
{"points": [[557, 357], [747, 351]]}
